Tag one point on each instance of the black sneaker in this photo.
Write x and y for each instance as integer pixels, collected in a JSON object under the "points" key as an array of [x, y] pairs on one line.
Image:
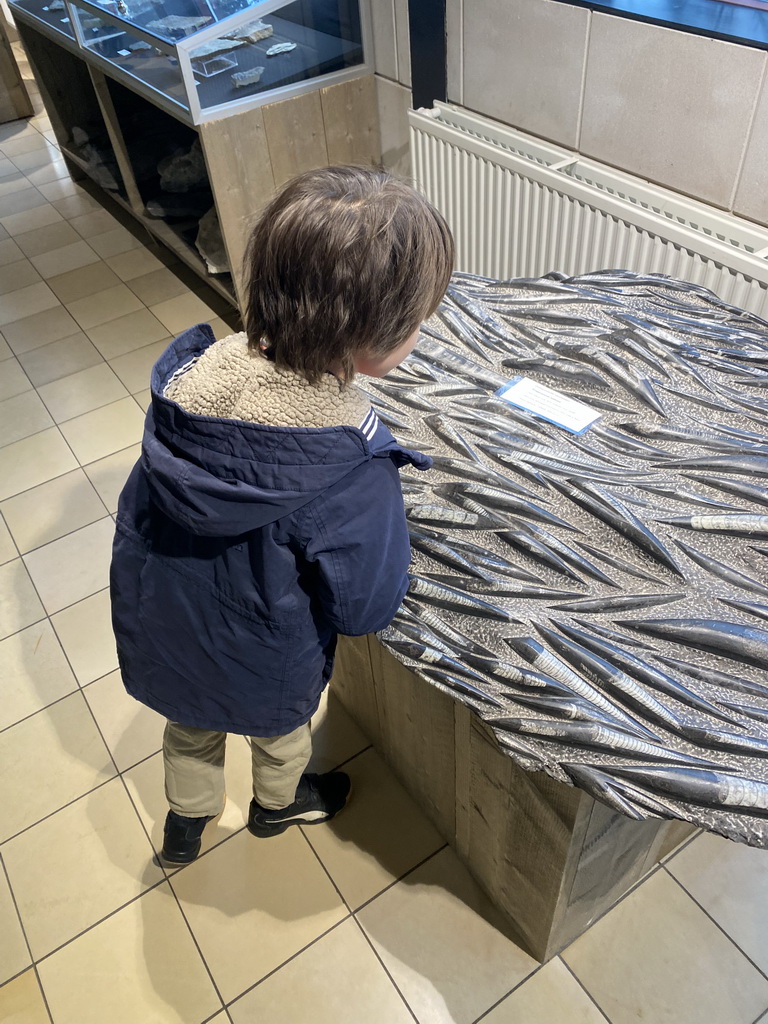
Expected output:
{"points": [[318, 798], [181, 842]]}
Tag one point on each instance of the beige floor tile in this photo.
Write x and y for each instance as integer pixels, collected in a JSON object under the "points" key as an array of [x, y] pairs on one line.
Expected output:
{"points": [[73, 567], [9, 252], [21, 416], [35, 298], [134, 368], [668, 962], [7, 168], [78, 866], [126, 333], [39, 329], [78, 284], [53, 236], [14, 276], [360, 849], [182, 312], [134, 263], [28, 218], [85, 632], [33, 159], [551, 996], [34, 460], [54, 170], [157, 286], [72, 205], [105, 305], [132, 731], [53, 757], [104, 431], [69, 257], [82, 392], [444, 943], [140, 966], [14, 955], [34, 671], [7, 546], [253, 903], [113, 242], [24, 143], [63, 188], [19, 603], [143, 399], [52, 509], [145, 784], [21, 1001], [62, 358], [18, 205], [730, 881], [108, 475], [338, 980], [94, 223], [13, 380], [335, 737], [5, 350], [12, 183]]}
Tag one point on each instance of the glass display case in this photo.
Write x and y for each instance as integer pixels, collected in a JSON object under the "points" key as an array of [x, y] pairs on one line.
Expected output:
{"points": [[205, 59]]}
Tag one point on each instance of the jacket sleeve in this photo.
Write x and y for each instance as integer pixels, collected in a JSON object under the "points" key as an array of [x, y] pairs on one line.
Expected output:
{"points": [[358, 544]]}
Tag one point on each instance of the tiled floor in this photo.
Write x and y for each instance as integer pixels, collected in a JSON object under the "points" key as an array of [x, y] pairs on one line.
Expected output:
{"points": [[367, 920]]}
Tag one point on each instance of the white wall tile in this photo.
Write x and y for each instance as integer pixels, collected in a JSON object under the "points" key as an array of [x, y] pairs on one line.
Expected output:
{"points": [[669, 106], [752, 194], [523, 64]]}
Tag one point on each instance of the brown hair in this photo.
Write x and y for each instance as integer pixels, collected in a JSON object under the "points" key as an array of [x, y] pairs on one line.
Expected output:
{"points": [[343, 260]]}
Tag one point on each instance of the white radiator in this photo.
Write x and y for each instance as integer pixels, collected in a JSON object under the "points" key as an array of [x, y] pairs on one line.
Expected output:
{"points": [[520, 207]]}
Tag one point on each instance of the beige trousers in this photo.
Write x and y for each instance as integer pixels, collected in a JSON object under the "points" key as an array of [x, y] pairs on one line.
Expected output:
{"points": [[194, 768]]}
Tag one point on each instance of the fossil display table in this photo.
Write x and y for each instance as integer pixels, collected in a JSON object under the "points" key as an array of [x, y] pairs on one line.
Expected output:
{"points": [[578, 677]]}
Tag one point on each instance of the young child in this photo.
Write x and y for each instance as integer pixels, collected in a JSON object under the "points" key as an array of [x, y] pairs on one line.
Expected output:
{"points": [[265, 514]]}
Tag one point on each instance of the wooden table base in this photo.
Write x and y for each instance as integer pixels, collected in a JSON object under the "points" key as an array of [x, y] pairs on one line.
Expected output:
{"points": [[549, 856]]}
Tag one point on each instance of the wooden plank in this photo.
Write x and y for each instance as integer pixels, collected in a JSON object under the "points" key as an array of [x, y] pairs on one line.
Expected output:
{"points": [[352, 682], [115, 133], [14, 99], [295, 136], [240, 173], [351, 118], [410, 711]]}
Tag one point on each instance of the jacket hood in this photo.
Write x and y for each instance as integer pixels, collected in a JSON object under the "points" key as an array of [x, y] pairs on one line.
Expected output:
{"points": [[224, 476]]}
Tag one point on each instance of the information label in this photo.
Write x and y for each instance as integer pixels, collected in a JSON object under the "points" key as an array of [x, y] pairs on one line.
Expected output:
{"points": [[551, 405]]}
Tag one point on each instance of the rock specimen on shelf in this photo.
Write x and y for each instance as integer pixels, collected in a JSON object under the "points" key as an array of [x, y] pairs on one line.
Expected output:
{"points": [[250, 77], [215, 46], [280, 48], [252, 32], [56, 5], [99, 164], [177, 23], [183, 170], [210, 244]]}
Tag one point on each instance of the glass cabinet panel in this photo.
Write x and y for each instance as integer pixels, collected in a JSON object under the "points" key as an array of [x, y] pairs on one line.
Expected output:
{"points": [[157, 67]]}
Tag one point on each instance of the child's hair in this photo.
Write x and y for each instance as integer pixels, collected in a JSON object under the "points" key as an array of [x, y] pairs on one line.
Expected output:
{"points": [[343, 260]]}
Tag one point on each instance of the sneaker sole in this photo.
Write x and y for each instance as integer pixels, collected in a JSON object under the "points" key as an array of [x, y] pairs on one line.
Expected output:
{"points": [[276, 829]]}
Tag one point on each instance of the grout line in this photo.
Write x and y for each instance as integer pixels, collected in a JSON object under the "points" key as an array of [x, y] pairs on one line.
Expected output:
{"points": [[583, 87], [748, 137], [290, 958], [101, 920], [584, 988], [32, 963], [400, 878], [196, 943], [506, 995], [385, 968], [69, 533], [47, 707], [715, 922]]}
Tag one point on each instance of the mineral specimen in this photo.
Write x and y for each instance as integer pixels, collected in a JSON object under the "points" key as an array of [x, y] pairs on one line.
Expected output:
{"points": [[250, 77], [280, 48], [252, 32], [176, 23]]}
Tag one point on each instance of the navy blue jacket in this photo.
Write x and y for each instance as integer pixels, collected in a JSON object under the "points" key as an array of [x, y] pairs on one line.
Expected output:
{"points": [[242, 550]]}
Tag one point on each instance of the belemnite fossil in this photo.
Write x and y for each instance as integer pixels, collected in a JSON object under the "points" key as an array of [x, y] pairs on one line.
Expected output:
{"points": [[599, 599]]}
